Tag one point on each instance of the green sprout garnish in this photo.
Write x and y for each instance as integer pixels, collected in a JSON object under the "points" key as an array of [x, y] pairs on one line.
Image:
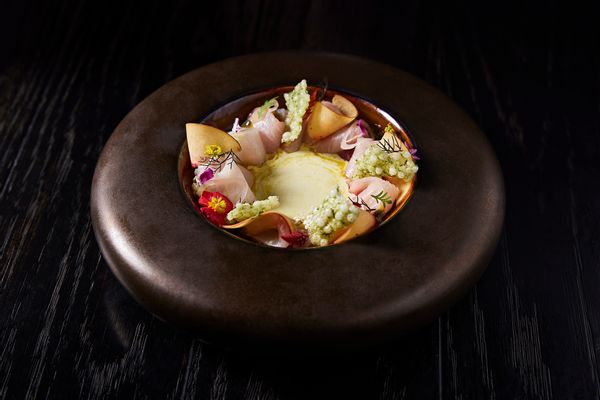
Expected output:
{"points": [[268, 104], [383, 197]]}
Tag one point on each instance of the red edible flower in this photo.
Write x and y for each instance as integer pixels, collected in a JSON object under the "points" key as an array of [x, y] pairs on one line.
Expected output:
{"points": [[295, 239], [215, 206]]}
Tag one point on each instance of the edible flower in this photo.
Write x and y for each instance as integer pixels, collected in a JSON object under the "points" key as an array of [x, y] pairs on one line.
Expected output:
{"points": [[295, 239], [361, 126], [214, 206], [206, 176], [213, 150], [413, 152], [389, 129]]}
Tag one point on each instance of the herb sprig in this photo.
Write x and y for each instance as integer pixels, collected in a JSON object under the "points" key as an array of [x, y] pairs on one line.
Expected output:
{"points": [[359, 202], [390, 146], [217, 163], [382, 197]]}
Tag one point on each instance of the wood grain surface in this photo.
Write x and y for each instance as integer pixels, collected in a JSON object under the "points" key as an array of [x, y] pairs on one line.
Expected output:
{"points": [[529, 75]]}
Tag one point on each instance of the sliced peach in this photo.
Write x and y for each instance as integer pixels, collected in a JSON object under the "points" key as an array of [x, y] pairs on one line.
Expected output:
{"points": [[269, 220], [240, 224], [346, 107], [244, 223], [324, 121], [404, 186], [365, 221], [200, 136], [406, 189]]}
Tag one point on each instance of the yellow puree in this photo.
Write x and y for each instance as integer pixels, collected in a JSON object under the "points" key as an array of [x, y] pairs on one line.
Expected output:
{"points": [[301, 179]]}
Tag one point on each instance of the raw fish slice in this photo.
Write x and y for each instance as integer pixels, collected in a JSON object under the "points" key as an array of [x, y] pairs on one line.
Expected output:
{"points": [[231, 181], [362, 144], [270, 129], [366, 188], [253, 150], [344, 139], [247, 175]]}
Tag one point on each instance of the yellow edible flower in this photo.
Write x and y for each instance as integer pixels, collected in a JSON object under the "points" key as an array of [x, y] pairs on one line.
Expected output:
{"points": [[389, 129], [217, 204], [213, 150]]}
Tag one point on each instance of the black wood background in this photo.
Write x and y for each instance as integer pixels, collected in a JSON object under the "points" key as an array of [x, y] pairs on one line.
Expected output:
{"points": [[528, 74]]}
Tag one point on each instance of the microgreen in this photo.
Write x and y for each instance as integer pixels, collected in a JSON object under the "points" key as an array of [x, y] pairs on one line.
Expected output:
{"points": [[359, 202], [268, 104], [218, 162], [383, 197]]}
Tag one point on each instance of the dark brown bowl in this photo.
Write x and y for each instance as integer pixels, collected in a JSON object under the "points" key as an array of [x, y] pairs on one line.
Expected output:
{"points": [[363, 292]]}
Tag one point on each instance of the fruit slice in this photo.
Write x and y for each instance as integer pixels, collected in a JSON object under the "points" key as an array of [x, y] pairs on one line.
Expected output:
{"points": [[325, 120], [205, 141], [269, 227], [269, 220], [365, 221], [346, 107], [404, 186]]}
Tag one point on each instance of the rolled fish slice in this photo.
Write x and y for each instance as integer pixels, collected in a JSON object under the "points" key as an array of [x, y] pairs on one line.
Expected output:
{"points": [[252, 150], [234, 182], [344, 139], [270, 129], [367, 188]]}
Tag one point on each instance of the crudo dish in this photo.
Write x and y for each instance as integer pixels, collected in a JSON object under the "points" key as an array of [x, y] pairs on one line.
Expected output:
{"points": [[307, 167]]}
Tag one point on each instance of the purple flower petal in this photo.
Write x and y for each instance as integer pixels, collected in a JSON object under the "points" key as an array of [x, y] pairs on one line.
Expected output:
{"points": [[206, 176], [361, 125], [413, 153]]}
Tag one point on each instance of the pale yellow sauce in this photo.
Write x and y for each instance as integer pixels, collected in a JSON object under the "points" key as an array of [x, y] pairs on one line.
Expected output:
{"points": [[301, 180]]}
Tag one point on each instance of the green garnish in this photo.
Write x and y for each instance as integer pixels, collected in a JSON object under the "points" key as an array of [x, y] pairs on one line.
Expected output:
{"points": [[297, 103], [389, 129], [383, 197], [268, 104], [243, 211]]}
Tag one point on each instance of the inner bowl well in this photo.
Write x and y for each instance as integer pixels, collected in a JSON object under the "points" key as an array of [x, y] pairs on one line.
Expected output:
{"points": [[224, 116]]}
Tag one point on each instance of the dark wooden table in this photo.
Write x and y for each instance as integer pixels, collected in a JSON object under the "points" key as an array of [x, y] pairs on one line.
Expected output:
{"points": [[528, 74]]}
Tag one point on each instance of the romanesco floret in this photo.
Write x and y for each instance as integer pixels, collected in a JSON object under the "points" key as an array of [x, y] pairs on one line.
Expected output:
{"points": [[243, 211], [380, 161], [296, 102], [335, 212]]}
